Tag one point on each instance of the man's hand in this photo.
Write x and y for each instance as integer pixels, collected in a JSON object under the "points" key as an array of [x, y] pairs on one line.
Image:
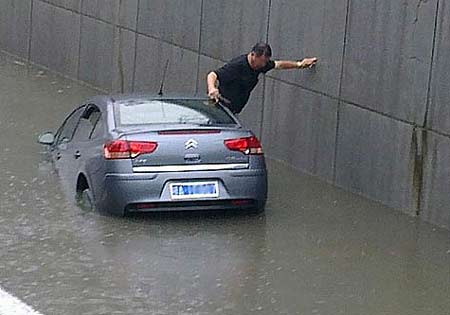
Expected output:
{"points": [[307, 63], [214, 94], [211, 83]]}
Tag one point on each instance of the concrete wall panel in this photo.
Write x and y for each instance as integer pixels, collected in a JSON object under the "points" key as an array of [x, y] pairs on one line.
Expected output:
{"points": [[55, 38], [96, 52], [252, 114], [374, 157], [151, 59], [106, 10], [439, 114], [175, 21], [232, 27], [128, 14], [74, 5], [106, 55], [300, 128], [15, 26], [436, 182], [314, 28], [388, 55], [123, 62]]}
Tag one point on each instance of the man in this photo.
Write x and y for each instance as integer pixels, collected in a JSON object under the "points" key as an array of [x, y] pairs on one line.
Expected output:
{"points": [[238, 78]]}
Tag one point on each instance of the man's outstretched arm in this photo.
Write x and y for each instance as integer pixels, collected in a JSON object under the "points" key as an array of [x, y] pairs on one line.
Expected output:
{"points": [[305, 63]]}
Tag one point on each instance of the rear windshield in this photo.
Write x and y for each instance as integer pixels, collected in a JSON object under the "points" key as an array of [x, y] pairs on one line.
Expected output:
{"points": [[148, 112]]}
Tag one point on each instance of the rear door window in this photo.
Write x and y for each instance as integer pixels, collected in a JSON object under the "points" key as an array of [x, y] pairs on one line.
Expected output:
{"points": [[66, 131], [87, 124], [99, 129]]}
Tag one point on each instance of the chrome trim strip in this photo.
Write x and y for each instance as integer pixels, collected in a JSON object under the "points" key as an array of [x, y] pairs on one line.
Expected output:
{"points": [[187, 168]]}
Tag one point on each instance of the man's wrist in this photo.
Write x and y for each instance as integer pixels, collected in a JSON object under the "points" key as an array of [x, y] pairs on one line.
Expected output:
{"points": [[300, 64]]}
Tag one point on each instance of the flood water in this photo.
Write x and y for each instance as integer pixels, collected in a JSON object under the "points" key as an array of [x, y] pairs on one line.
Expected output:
{"points": [[316, 250]]}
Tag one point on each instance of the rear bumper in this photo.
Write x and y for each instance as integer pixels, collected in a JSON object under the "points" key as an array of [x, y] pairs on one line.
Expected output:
{"points": [[150, 191]]}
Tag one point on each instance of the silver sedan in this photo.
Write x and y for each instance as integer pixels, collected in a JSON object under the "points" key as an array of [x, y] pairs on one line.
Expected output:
{"points": [[134, 153]]}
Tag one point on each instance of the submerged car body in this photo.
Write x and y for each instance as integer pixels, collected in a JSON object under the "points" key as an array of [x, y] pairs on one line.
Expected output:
{"points": [[133, 153]]}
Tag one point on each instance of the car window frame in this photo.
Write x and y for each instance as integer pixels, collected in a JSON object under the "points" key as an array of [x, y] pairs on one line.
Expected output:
{"points": [[59, 131], [88, 108], [96, 123]]}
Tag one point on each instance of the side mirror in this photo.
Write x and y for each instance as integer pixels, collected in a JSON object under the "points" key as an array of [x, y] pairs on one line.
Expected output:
{"points": [[47, 138]]}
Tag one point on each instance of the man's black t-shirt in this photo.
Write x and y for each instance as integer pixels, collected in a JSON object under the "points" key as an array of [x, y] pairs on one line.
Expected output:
{"points": [[237, 79]]}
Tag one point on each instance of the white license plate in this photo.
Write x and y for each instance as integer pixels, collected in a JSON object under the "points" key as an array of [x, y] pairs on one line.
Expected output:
{"points": [[194, 190]]}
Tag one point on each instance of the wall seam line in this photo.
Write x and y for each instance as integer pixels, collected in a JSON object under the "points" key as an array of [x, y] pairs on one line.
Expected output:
{"points": [[264, 83], [430, 75], [30, 35], [138, 12], [79, 40], [338, 110], [422, 147], [199, 49]]}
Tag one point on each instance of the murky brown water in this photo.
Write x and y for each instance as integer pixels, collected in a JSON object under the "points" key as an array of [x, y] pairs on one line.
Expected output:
{"points": [[317, 250]]}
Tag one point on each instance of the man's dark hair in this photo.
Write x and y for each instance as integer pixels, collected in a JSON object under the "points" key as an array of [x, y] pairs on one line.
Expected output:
{"points": [[262, 49]]}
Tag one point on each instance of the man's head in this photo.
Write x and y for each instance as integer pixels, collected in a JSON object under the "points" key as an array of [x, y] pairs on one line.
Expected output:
{"points": [[260, 55]]}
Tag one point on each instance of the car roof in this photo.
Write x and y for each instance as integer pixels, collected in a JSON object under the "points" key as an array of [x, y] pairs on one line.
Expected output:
{"points": [[103, 100]]}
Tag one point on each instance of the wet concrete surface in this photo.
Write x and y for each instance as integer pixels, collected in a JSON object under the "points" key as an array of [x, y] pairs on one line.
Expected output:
{"points": [[316, 250]]}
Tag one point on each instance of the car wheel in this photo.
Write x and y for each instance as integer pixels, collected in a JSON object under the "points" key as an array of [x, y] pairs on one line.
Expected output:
{"points": [[86, 200]]}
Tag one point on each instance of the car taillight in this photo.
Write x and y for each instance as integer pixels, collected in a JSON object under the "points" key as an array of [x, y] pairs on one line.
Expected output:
{"points": [[249, 145], [122, 149]]}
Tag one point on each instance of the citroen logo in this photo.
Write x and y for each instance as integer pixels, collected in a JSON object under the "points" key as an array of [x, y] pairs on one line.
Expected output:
{"points": [[191, 144]]}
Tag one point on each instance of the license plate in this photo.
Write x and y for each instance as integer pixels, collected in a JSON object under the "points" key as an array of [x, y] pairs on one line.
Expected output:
{"points": [[195, 190]]}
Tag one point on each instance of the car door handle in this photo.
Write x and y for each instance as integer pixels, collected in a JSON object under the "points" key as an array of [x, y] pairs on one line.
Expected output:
{"points": [[77, 155]]}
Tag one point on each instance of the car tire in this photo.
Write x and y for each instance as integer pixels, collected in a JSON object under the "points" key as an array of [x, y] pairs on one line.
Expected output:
{"points": [[86, 200]]}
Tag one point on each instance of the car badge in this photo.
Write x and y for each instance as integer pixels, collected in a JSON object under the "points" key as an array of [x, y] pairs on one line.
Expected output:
{"points": [[191, 144]]}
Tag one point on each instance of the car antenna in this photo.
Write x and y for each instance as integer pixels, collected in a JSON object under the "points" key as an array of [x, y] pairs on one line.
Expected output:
{"points": [[161, 88]]}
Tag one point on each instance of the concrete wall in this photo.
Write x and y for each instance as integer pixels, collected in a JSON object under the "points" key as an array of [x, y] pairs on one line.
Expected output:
{"points": [[373, 117]]}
